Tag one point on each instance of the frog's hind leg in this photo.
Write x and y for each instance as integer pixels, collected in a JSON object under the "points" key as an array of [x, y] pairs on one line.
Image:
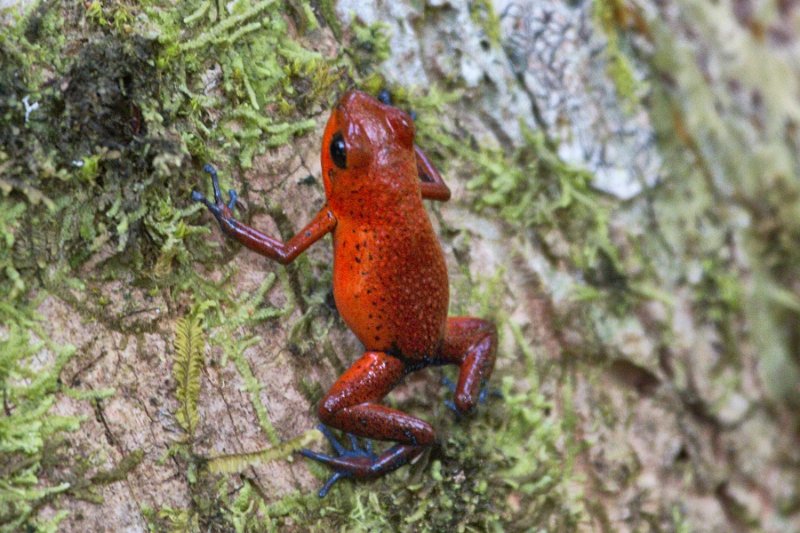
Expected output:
{"points": [[352, 406], [470, 343]]}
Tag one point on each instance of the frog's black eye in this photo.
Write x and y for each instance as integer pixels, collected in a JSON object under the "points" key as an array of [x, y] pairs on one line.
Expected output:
{"points": [[338, 150]]}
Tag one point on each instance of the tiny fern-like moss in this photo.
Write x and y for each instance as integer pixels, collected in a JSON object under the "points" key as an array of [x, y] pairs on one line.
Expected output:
{"points": [[240, 461], [189, 346]]}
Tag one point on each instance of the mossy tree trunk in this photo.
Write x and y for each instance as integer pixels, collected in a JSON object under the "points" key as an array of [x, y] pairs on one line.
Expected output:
{"points": [[626, 208]]}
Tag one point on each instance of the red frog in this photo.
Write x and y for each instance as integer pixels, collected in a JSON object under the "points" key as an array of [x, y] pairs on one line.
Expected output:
{"points": [[389, 282]]}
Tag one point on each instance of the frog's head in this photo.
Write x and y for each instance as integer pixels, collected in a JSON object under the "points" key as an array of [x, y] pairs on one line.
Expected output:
{"points": [[366, 144]]}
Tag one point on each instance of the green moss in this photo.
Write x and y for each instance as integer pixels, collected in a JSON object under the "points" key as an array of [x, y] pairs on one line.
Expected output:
{"points": [[482, 13], [370, 44], [169, 229], [720, 177], [241, 461], [99, 165], [262, 68], [28, 430], [608, 15], [35, 462], [189, 354], [328, 11], [10, 220], [173, 520]]}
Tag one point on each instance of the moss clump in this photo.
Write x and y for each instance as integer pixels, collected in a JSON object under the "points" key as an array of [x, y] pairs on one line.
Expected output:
{"points": [[28, 430], [34, 193], [83, 148], [532, 187], [724, 177], [370, 45], [189, 347], [611, 16], [482, 13]]}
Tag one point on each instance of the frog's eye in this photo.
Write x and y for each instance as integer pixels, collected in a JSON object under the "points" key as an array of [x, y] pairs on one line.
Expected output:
{"points": [[338, 150]]}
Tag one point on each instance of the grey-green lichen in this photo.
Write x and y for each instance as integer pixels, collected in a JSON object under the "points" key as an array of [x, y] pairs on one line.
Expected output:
{"points": [[482, 13]]}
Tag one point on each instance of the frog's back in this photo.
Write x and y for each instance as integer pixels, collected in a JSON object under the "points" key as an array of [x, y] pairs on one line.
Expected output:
{"points": [[390, 280]]}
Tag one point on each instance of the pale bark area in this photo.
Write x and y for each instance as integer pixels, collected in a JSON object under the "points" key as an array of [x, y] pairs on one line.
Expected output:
{"points": [[673, 423]]}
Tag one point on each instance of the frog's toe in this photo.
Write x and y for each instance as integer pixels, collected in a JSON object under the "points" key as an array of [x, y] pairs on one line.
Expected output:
{"points": [[385, 97], [328, 484], [211, 171], [218, 207], [197, 196], [330, 461], [355, 451], [489, 392], [335, 444]]}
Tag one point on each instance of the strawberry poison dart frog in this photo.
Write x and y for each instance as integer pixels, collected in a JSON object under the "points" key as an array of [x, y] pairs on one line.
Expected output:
{"points": [[389, 282]]}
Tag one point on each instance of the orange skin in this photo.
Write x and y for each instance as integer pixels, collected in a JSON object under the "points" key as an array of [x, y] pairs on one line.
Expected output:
{"points": [[389, 281]]}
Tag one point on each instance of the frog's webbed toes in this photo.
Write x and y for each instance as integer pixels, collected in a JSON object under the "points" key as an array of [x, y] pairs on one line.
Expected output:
{"points": [[355, 462], [218, 207]]}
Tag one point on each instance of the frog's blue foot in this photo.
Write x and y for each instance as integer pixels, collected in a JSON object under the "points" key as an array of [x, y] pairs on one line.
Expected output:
{"points": [[359, 462], [215, 207], [356, 454], [483, 395]]}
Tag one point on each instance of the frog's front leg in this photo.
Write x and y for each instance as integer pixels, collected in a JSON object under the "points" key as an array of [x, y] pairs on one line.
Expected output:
{"points": [[432, 185], [352, 405], [284, 253], [470, 343]]}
